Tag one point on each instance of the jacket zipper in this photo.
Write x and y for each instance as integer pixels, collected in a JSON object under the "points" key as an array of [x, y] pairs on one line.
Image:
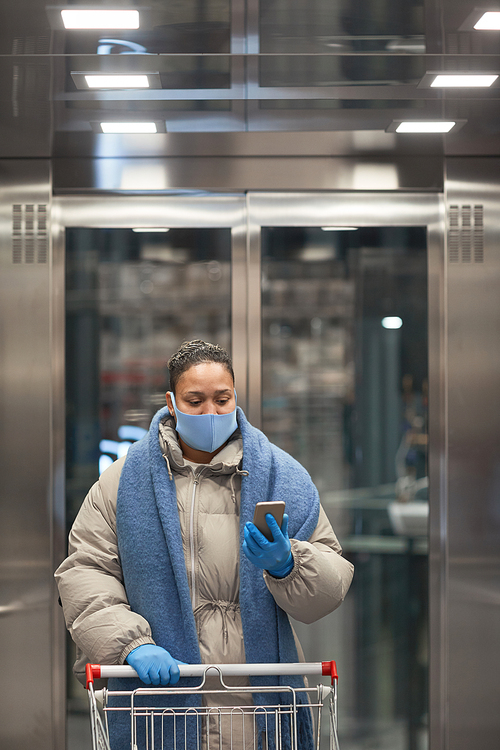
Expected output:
{"points": [[191, 543]]}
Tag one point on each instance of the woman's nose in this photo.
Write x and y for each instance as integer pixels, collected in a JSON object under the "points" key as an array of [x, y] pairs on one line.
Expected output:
{"points": [[210, 408]]}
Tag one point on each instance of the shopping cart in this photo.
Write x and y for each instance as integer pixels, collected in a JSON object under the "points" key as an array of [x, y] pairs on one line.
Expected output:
{"points": [[240, 722]]}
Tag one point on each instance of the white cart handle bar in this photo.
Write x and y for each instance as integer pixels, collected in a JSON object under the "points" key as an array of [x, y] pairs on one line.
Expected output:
{"points": [[96, 671]]}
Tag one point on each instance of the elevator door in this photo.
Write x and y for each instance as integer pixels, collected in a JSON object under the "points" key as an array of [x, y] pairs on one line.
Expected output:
{"points": [[133, 295], [347, 339], [334, 335]]}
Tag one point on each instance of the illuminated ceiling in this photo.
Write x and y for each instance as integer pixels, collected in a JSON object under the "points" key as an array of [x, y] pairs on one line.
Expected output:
{"points": [[352, 68]]}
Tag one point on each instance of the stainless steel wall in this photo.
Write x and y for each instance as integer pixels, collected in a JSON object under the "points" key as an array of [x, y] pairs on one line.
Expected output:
{"points": [[31, 709], [471, 551], [465, 400]]}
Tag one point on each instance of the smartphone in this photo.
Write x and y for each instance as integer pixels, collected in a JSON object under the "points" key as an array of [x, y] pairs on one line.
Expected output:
{"points": [[276, 508]]}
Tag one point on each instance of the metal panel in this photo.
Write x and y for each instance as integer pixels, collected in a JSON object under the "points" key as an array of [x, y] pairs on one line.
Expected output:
{"points": [[341, 209], [325, 144], [254, 316], [472, 589], [58, 468], [150, 211], [236, 173], [437, 478], [30, 713], [239, 301]]}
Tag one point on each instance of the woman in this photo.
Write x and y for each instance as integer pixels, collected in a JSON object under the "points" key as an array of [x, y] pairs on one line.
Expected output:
{"points": [[154, 575]]}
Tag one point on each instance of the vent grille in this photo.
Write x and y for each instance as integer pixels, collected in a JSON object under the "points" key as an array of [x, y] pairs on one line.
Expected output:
{"points": [[466, 234], [30, 241], [31, 45]]}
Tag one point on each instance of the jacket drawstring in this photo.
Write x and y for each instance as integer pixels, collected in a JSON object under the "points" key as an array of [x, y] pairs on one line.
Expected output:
{"points": [[236, 473], [224, 608], [168, 466]]}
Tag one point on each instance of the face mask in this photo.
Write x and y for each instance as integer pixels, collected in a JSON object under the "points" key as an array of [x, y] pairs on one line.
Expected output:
{"points": [[204, 432]]}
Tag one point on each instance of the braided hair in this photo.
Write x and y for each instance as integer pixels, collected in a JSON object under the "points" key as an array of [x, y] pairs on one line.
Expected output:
{"points": [[193, 353]]}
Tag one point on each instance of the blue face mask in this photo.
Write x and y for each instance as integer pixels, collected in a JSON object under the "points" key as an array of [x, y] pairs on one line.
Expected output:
{"points": [[204, 432]]}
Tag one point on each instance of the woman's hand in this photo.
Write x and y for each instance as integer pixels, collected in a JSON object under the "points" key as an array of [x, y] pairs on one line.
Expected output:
{"points": [[276, 556], [154, 665]]}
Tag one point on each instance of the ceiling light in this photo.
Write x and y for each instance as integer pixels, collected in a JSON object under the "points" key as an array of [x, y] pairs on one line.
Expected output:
{"points": [[339, 229], [463, 80], [128, 127], [489, 21], [96, 80], [150, 229], [117, 81], [425, 127], [100, 19], [315, 254], [392, 322]]}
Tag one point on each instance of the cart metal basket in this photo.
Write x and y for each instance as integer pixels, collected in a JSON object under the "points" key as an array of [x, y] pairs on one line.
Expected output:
{"points": [[158, 722]]}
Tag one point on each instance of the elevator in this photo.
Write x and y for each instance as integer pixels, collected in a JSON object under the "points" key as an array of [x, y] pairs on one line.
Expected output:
{"points": [[397, 425]]}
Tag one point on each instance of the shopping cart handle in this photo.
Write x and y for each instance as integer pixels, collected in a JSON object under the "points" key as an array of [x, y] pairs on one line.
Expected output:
{"points": [[330, 668], [96, 671]]}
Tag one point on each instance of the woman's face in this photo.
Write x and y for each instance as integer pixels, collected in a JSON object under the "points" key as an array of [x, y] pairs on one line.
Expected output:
{"points": [[206, 388]]}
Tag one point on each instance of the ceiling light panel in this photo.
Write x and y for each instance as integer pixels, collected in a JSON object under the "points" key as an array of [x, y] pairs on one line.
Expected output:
{"points": [[392, 322], [115, 81], [489, 21], [128, 127], [339, 229], [462, 80], [100, 19], [481, 19], [154, 230], [425, 127], [457, 79]]}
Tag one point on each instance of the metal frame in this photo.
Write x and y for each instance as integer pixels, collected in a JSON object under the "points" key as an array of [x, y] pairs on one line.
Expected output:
{"points": [[246, 215], [438, 480], [58, 465]]}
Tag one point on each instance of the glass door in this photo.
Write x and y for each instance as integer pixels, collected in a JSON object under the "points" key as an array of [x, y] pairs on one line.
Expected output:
{"points": [[344, 308], [132, 297], [330, 305], [134, 291], [344, 390]]}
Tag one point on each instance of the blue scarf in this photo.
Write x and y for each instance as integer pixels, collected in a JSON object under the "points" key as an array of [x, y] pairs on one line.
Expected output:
{"points": [[155, 576]]}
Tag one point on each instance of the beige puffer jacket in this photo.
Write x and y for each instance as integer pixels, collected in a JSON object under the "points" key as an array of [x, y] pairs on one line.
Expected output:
{"points": [[90, 580]]}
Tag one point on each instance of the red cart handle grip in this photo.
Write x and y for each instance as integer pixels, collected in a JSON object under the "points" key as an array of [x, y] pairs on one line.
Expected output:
{"points": [[92, 672], [330, 667]]}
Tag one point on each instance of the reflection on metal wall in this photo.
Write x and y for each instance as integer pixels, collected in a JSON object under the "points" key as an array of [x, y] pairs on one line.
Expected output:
{"points": [[472, 592], [31, 671]]}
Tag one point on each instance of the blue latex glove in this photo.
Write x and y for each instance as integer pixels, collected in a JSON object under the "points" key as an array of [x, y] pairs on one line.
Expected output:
{"points": [[276, 556], [154, 665]]}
